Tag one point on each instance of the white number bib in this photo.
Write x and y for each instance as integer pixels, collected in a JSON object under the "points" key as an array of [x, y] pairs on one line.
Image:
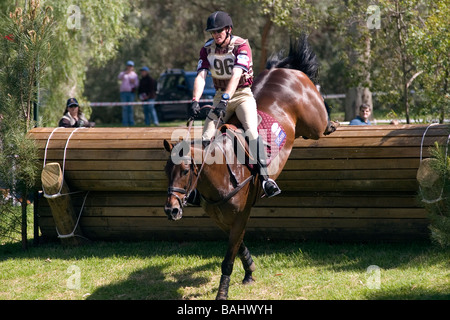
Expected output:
{"points": [[221, 65]]}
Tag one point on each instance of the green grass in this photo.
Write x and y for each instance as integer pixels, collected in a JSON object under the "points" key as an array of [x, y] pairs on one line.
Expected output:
{"points": [[191, 270]]}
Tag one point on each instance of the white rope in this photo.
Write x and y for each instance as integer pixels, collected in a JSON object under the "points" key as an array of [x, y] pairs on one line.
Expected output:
{"points": [[58, 194], [427, 201], [46, 145], [423, 138], [72, 234]]}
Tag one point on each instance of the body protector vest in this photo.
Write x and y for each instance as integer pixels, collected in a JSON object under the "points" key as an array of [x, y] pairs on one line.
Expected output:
{"points": [[222, 61]]}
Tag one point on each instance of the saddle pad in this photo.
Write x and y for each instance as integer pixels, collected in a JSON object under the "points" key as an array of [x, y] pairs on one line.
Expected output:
{"points": [[272, 133]]}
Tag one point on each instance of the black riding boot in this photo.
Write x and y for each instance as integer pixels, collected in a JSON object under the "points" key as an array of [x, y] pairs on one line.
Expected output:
{"points": [[269, 186]]}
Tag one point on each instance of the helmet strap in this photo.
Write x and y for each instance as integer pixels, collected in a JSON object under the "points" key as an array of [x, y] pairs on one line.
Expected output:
{"points": [[228, 35]]}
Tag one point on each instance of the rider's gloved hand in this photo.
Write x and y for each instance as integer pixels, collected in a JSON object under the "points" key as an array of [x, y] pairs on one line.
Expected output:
{"points": [[194, 109], [221, 108]]}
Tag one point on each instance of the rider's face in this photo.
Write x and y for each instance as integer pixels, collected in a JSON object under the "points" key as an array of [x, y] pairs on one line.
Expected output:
{"points": [[220, 35]]}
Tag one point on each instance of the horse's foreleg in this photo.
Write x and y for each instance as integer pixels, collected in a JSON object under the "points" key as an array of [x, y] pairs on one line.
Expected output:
{"points": [[235, 241], [227, 269], [247, 262]]}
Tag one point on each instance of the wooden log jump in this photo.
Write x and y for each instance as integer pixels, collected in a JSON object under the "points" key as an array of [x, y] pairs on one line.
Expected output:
{"points": [[357, 184], [60, 202]]}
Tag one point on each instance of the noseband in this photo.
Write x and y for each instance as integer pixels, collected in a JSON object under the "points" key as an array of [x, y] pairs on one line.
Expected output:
{"points": [[187, 191]]}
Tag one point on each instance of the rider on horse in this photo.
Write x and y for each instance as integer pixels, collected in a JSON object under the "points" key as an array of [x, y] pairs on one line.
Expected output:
{"points": [[229, 58]]}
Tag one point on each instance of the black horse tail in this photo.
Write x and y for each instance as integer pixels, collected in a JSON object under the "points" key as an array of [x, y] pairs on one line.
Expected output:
{"points": [[301, 57]]}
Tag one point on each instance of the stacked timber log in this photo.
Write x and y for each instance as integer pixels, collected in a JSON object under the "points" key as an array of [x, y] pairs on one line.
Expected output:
{"points": [[59, 198], [357, 184]]}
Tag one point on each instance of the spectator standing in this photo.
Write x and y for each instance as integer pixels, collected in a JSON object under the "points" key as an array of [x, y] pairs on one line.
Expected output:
{"points": [[147, 93], [128, 86]]}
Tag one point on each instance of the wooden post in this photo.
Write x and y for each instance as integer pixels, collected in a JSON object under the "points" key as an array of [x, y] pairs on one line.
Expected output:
{"points": [[61, 205]]}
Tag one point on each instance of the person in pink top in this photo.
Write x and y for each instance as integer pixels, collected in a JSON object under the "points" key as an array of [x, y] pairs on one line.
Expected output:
{"points": [[129, 84]]}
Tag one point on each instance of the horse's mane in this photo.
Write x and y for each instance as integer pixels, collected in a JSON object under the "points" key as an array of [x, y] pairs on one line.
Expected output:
{"points": [[301, 57], [169, 167]]}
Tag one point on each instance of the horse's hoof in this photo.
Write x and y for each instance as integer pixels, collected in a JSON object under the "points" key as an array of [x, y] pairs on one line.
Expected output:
{"points": [[222, 293], [221, 297], [248, 280], [331, 127]]}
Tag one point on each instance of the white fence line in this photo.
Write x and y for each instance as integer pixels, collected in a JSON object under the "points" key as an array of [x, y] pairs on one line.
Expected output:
{"points": [[113, 104], [140, 103]]}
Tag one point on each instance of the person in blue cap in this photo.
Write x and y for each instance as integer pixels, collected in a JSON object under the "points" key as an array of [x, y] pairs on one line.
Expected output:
{"points": [[128, 87], [147, 92]]}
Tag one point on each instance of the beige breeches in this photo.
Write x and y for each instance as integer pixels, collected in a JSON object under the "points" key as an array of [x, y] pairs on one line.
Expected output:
{"points": [[244, 105]]}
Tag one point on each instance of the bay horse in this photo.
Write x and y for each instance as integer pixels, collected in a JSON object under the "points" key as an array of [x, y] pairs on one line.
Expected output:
{"points": [[228, 189]]}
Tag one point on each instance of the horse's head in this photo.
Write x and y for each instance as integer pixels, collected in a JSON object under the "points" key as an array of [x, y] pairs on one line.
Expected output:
{"points": [[180, 170]]}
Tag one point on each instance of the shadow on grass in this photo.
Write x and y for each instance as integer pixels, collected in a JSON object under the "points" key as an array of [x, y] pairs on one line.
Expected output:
{"points": [[357, 256], [152, 283], [155, 282], [410, 293]]}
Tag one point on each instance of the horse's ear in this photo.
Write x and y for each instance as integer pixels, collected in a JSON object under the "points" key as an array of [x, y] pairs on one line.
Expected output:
{"points": [[168, 146]]}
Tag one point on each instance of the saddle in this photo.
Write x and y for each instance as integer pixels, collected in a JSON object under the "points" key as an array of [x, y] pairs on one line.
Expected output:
{"points": [[271, 132]]}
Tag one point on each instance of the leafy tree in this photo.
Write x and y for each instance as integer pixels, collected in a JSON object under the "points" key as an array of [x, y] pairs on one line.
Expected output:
{"points": [[412, 56], [434, 179], [86, 33], [26, 35], [171, 35], [295, 16], [400, 15], [43, 57], [430, 47], [354, 26]]}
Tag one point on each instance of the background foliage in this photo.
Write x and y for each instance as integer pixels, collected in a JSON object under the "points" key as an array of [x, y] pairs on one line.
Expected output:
{"points": [[437, 197], [52, 50], [399, 51], [26, 48]]}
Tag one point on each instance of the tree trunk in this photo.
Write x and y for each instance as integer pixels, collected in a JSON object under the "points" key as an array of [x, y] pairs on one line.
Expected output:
{"points": [[444, 105], [24, 206], [264, 39], [405, 99], [402, 46], [361, 94]]}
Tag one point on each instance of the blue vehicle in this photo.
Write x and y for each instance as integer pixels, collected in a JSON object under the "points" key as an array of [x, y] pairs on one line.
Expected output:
{"points": [[177, 85]]}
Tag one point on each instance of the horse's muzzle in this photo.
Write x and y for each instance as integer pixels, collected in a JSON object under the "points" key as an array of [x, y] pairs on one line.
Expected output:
{"points": [[173, 213]]}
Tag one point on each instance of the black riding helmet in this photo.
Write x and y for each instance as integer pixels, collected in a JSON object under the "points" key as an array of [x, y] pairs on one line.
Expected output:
{"points": [[218, 20]]}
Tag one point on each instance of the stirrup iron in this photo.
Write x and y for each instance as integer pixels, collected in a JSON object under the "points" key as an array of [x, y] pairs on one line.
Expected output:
{"points": [[274, 193]]}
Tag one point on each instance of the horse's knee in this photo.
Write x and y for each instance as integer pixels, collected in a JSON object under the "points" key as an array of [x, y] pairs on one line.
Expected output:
{"points": [[227, 268]]}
